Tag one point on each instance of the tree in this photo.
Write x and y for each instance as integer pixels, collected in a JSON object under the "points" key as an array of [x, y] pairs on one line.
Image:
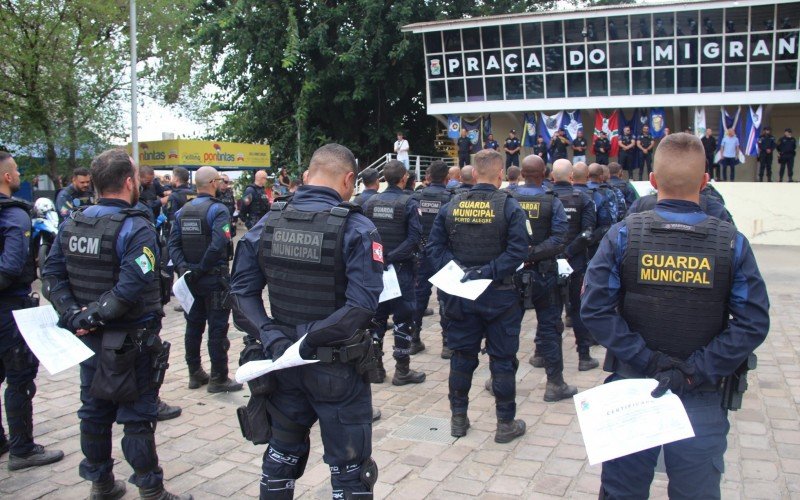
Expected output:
{"points": [[64, 70], [301, 73]]}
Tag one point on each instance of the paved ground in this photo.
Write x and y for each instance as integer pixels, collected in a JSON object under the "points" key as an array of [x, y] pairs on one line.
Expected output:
{"points": [[202, 452]]}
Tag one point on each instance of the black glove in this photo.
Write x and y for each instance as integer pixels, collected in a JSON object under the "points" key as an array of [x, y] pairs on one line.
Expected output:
{"points": [[472, 273], [192, 278], [279, 347], [679, 380], [276, 347], [659, 362], [65, 320], [86, 319]]}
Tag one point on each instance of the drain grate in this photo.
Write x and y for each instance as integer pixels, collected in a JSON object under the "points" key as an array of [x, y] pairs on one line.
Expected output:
{"points": [[427, 429]]}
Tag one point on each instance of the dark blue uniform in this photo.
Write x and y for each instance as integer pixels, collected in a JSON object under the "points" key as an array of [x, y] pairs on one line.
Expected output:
{"points": [[491, 145], [208, 290], [151, 196], [605, 217], [627, 190], [332, 393], [766, 148], [363, 196], [179, 196], [694, 465], [70, 199], [496, 315], [511, 144], [136, 249], [708, 204], [787, 149]]}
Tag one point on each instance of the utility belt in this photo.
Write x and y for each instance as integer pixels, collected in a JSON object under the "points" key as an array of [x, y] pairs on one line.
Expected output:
{"points": [[531, 282], [506, 283], [625, 370]]}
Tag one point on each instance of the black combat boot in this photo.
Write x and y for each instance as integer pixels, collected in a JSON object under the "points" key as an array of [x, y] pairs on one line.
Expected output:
{"points": [[586, 362], [198, 378], [107, 490], [159, 493], [221, 383], [459, 423], [557, 389], [509, 430], [403, 374], [378, 375], [428, 311], [39, 456], [537, 361], [167, 412], [416, 343]]}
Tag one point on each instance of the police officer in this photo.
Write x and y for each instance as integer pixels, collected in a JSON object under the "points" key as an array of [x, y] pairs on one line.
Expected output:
{"points": [[396, 215], [489, 216], [547, 222], [453, 177], [102, 277], [558, 145], [601, 148], [710, 146], [491, 143], [430, 199], [614, 180], [619, 197], [371, 185], [787, 149], [78, 194], [766, 145], [627, 142], [604, 201], [581, 220], [199, 245], [467, 180], [255, 202], [151, 192], [464, 145], [676, 295], [579, 147], [540, 148], [18, 365], [181, 192], [710, 205], [323, 261], [511, 148], [646, 143], [225, 195], [513, 174]]}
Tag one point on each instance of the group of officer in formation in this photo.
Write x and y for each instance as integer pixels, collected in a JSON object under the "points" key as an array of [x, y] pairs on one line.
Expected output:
{"points": [[688, 323]]}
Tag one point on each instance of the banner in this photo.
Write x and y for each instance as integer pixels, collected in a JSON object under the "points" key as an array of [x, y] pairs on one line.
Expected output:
{"points": [[529, 130], [453, 126], [700, 122], [658, 122], [611, 127], [753, 130], [193, 153], [473, 129], [549, 125], [572, 123], [487, 126]]}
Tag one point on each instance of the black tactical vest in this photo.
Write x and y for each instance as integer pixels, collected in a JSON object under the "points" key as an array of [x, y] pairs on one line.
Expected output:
{"points": [[463, 188], [477, 227], [28, 274], [539, 209], [183, 196], [676, 280], [195, 231], [89, 245], [649, 202], [573, 206], [389, 216], [300, 253], [430, 202], [259, 205], [84, 199]]}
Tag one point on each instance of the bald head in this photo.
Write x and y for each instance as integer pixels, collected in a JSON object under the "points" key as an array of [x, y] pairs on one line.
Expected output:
{"points": [[580, 173], [679, 168], [533, 169], [204, 177], [260, 178], [468, 174], [562, 170], [596, 172], [333, 166], [454, 173], [488, 165]]}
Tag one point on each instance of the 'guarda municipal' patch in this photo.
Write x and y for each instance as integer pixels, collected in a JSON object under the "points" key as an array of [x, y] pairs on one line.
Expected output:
{"points": [[295, 244], [531, 207], [676, 269], [473, 212]]}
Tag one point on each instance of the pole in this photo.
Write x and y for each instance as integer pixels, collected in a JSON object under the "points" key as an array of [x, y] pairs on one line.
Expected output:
{"points": [[134, 90]]}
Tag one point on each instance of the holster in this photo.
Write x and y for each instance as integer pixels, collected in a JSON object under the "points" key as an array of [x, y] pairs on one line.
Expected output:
{"points": [[115, 377], [735, 385], [165, 280], [255, 422], [160, 350], [530, 286], [357, 350]]}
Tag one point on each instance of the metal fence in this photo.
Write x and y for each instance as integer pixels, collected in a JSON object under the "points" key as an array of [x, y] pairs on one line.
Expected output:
{"points": [[419, 164]]}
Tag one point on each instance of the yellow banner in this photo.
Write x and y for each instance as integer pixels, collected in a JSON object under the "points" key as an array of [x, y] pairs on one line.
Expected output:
{"points": [[191, 153]]}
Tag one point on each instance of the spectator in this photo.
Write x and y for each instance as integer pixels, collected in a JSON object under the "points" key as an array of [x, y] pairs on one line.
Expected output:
{"points": [[729, 146], [401, 147], [710, 146], [284, 180], [464, 148]]}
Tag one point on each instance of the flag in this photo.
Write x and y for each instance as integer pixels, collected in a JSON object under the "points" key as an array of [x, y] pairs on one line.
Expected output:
{"points": [[572, 123], [529, 130], [753, 130], [658, 122], [700, 122], [549, 125], [453, 126], [487, 126], [473, 129], [726, 121], [611, 127]]}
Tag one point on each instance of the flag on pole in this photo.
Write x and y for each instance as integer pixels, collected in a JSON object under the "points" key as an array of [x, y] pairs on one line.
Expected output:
{"points": [[549, 125], [611, 126], [753, 130], [529, 130], [700, 121], [572, 123], [473, 129], [658, 122], [487, 126], [453, 126]]}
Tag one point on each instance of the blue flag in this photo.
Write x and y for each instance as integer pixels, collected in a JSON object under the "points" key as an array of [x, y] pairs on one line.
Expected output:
{"points": [[473, 129], [658, 122], [453, 126], [753, 130], [549, 125], [487, 126], [529, 130], [572, 123]]}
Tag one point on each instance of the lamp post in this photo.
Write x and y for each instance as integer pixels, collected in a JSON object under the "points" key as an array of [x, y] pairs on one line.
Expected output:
{"points": [[134, 90]]}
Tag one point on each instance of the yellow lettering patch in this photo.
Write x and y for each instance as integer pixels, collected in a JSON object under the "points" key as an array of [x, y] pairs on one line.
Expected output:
{"points": [[531, 207], [674, 269], [473, 212], [150, 256]]}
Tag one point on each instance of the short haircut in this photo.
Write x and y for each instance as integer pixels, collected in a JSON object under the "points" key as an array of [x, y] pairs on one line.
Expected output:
{"points": [[110, 170], [411, 182], [468, 173], [438, 171], [513, 173], [394, 171], [181, 174], [533, 168], [146, 170], [334, 159], [5, 164], [679, 164], [370, 176], [615, 168], [595, 171], [487, 162], [80, 171], [4, 156]]}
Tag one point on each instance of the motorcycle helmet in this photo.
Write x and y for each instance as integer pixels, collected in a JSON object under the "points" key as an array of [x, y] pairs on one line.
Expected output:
{"points": [[42, 207]]}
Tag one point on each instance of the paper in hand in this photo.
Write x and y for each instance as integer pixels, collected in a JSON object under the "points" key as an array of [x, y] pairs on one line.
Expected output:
{"points": [[391, 287], [448, 280], [289, 359], [564, 269], [183, 294], [56, 348]]}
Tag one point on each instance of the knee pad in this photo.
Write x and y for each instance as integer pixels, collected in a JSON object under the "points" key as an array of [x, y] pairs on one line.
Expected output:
{"points": [[464, 359], [284, 464], [139, 447], [369, 473], [343, 480], [26, 389], [499, 366]]}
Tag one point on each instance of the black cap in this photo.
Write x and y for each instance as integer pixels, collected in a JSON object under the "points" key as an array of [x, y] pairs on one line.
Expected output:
{"points": [[788, 130], [512, 131], [369, 176], [767, 128], [603, 132]]}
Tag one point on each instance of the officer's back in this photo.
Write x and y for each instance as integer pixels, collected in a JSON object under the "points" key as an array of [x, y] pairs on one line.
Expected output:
{"points": [[181, 192], [369, 177], [708, 204]]}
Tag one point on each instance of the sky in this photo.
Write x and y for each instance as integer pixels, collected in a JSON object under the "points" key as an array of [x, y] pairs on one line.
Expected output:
{"points": [[155, 119]]}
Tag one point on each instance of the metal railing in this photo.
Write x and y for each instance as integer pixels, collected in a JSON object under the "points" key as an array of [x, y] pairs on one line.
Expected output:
{"points": [[418, 163]]}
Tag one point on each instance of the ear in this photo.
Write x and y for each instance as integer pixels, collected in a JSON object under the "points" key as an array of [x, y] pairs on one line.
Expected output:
{"points": [[705, 181], [653, 181]]}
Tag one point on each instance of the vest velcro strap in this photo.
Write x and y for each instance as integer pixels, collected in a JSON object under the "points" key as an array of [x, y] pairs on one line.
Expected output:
{"points": [[278, 206], [342, 212]]}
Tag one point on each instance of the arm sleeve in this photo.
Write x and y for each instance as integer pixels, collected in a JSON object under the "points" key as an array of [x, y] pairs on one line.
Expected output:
{"points": [[137, 241], [218, 250], [517, 244], [588, 223], [406, 249], [437, 251], [174, 246], [16, 242], [553, 245], [247, 285]]}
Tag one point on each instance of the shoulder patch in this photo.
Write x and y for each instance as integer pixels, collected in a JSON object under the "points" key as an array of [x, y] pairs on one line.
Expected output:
{"points": [[150, 256], [377, 252]]}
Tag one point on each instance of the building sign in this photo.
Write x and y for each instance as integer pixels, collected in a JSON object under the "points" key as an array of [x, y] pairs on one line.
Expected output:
{"points": [[190, 153], [718, 47]]}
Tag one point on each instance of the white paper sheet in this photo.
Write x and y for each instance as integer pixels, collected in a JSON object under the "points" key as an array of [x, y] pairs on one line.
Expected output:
{"points": [[391, 287], [57, 349], [621, 418], [290, 358], [564, 269], [448, 279], [182, 293]]}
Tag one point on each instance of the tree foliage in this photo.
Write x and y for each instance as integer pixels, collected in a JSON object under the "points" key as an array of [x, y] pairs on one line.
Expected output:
{"points": [[300, 73]]}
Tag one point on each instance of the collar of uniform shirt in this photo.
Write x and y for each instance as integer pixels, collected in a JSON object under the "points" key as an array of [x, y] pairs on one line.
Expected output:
{"points": [[485, 186], [678, 206], [113, 202], [315, 195]]}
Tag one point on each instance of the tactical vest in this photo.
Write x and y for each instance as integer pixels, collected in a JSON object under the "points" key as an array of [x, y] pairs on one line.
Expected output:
{"points": [[147, 195], [28, 274], [195, 230], [259, 205], [389, 216], [183, 196], [649, 202], [89, 245], [463, 188], [300, 253], [430, 202], [611, 200], [84, 200], [676, 280], [539, 209], [477, 227], [646, 140], [573, 206]]}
